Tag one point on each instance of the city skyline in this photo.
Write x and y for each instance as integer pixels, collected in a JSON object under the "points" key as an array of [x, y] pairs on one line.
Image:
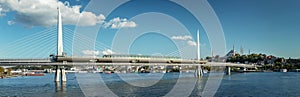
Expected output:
{"points": [[262, 26]]}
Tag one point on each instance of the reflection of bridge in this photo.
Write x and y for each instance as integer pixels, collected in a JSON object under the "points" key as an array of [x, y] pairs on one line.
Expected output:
{"points": [[61, 60]]}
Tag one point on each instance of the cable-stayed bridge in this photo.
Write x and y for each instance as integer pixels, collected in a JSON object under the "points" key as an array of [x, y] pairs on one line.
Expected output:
{"points": [[43, 46]]}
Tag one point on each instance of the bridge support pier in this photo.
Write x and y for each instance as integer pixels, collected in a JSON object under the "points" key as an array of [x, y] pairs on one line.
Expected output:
{"points": [[137, 69], [63, 74], [228, 70], [57, 74], [198, 72], [60, 74]]}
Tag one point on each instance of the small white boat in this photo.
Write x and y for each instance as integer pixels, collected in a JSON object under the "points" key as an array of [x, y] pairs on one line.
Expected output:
{"points": [[283, 70]]}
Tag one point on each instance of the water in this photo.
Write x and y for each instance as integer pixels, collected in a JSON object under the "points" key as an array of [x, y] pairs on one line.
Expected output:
{"points": [[236, 85], [279, 84]]}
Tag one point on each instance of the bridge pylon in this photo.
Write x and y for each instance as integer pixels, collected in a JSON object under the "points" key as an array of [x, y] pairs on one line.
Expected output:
{"points": [[198, 71], [60, 74], [59, 34]]}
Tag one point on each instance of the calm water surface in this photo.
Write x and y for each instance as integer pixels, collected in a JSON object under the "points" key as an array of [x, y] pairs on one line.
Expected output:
{"points": [[237, 85]]}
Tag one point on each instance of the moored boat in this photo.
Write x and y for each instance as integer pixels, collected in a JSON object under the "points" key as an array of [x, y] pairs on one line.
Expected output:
{"points": [[34, 74]]}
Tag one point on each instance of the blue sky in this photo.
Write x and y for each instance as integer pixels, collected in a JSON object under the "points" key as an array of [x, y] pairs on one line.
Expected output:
{"points": [[264, 26], [267, 26]]}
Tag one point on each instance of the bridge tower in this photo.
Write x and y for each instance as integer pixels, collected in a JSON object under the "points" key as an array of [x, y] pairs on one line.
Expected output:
{"points": [[198, 71], [60, 71], [59, 34]]}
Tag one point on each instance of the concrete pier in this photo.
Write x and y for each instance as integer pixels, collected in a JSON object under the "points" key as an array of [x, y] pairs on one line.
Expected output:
{"points": [[198, 72], [228, 70], [63, 74], [60, 74], [137, 69], [57, 74]]}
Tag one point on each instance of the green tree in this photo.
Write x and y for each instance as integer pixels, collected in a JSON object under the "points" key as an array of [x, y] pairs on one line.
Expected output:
{"points": [[1, 71], [9, 71], [208, 58]]}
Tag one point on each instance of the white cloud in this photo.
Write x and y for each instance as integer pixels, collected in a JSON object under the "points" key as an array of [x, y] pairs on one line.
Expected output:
{"points": [[44, 13], [96, 53], [86, 19], [191, 43], [2, 11], [10, 22], [185, 37], [108, 52], [90, 52], [117, 23]]}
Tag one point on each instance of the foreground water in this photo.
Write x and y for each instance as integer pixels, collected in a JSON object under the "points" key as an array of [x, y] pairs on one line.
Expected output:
{"points": [[237, 84]]}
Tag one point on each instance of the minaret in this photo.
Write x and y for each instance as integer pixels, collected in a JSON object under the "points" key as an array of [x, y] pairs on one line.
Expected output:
{"points": [[241, 50], [212, 54], [198, 46], [249, 52], [59, 34]]}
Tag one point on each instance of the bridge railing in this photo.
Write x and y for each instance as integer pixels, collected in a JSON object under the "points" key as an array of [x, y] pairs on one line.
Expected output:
{"points": [[26, 60]]}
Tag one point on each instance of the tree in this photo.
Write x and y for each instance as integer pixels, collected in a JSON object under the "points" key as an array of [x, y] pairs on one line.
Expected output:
{"points": [[208, 58], [9, 71], [1, 71]]}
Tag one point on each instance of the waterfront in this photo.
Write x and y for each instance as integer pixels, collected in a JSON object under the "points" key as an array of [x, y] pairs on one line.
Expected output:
{"points": [[238, 84]]}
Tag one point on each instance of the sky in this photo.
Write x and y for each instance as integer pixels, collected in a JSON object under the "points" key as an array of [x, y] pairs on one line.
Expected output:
{"points": [[150, 27]]}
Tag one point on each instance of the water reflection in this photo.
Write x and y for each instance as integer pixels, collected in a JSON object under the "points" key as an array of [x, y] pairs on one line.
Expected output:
{"points": [[57, 86], [61, 89], [200, 86]]}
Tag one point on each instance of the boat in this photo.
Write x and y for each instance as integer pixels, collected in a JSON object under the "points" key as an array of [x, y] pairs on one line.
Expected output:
{"points": [[283, 70], [108, 72], [34, 74]]}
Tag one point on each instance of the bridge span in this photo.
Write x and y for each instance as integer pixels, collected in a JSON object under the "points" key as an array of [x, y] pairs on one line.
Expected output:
{"points": [[117, 62]]}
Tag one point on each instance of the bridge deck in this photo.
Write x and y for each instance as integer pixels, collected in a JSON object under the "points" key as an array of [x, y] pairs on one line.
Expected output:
{"points": [[123, 64]]}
